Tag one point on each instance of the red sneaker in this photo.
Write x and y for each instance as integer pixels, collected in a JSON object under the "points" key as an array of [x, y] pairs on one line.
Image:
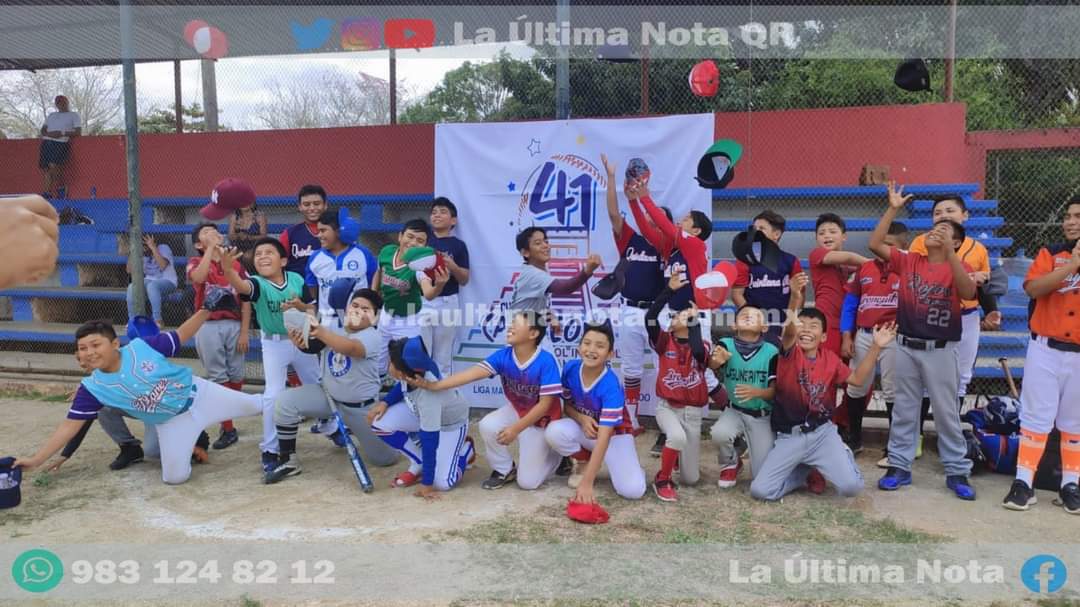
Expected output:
{"points": [[815, 482], [666, 491], [405, 479], [728, 474]]}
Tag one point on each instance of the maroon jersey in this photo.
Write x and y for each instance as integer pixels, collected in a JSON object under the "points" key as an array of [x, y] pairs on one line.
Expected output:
{"points": [[876, 288], [680, 379], [806, 387], [928, 306], [215, 277], [828, 286]]}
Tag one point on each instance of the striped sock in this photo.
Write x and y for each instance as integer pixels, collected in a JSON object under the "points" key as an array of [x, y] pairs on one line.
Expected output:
{"points": [[1032, 445], [1070, 458]]}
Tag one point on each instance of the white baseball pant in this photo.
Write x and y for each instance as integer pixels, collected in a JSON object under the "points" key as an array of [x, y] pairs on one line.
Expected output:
{"points": [[536, 460], [627, 476], [451, 458], [1051, 394], [394, 327], [277, 354], [968, 348], [886, 364], [212, 405], [440, 320], [682, 426], [631, 350]]}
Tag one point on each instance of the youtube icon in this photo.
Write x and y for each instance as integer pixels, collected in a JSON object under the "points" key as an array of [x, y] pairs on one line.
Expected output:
{"points": [[409, 33]]}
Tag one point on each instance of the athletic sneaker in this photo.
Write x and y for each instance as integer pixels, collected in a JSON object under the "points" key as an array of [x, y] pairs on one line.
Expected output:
{"points": [[337, 437], [129, 454], [498, 480], [960, 486], [577, 473], [728, 474], [269, 461], [815, 482], [658, 447], [894, 479], [226, 438], [665, 490], [1069, 498], [566, 467], [285, 469], [324, 426], [883, 462], [1020, 496]]}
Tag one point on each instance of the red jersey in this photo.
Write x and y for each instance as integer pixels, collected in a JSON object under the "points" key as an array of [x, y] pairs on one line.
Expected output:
{"points": [[876, 288], [216, 277], [806, 387], [1056, 315], [680, 379], [695, 251], [828, 281], [928, 306]]}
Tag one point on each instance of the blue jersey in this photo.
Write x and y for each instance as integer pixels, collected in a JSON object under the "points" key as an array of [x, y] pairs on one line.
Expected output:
{"points": [[324, 268], [525, 383], [147, 386], [603, 400], [644, 268], [300, 244], [681, 299], [765, 289], [454, 248]]}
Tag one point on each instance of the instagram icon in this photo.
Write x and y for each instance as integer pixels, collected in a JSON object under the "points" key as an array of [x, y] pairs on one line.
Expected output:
{"points": [[362, 34]]}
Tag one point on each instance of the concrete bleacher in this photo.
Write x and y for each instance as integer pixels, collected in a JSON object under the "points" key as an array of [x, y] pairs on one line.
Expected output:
{"points": [[90, 280]]}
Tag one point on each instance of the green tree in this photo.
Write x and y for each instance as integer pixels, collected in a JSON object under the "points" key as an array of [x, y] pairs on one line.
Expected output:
{"points": [[161, 120]]}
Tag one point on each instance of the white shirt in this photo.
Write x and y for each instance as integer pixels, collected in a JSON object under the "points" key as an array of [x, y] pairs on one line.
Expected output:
{"points": [[65, 122]]}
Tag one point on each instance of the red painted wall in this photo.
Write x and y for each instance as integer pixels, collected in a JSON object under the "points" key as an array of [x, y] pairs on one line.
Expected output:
{"points": [[789, 148]]}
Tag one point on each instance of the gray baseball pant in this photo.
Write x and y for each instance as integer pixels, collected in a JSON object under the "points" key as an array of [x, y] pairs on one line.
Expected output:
{"points": [[682, 426], [734, 423], [215, 342], [795, 454], [936, 371], [309, 401], [112, 422]]}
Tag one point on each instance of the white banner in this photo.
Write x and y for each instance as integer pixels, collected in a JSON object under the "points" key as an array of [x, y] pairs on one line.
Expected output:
{"points": [[505, 177]]}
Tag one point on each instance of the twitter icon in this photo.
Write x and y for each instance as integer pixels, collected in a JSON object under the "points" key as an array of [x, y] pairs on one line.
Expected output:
{"points": [[314, 36]]}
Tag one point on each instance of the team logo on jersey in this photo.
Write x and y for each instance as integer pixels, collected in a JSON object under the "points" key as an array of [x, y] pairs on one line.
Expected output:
{"points": [[674, 380], [149, 402], [353, 265], [814, 391], [339, 364], [147, 366]]}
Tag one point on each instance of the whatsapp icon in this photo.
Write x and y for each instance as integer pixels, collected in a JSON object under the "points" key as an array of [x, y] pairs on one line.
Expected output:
{"points": [[37, 570]]}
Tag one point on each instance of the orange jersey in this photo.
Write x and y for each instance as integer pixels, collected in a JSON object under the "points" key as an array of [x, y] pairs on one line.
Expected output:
{"points": [[1057, 314], [971, 252]]}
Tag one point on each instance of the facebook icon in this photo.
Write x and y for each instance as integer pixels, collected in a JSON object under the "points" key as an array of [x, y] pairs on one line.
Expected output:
{"points": [[1043, 574]]}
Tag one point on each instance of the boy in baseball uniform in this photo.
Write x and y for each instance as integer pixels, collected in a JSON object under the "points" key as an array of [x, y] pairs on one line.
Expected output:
{"points": [[870, 301], [644, 279], [762, 288], [808, 377], [747, 367], [269, 292], [830, 268], [301, 240], [402, 287], [347, 348], [139, 379], [222, 341], [335, 259], [531, 384], [444, 311], [596, 426], [534, 285], [1051, 394], [443, 449], [928, 314]]}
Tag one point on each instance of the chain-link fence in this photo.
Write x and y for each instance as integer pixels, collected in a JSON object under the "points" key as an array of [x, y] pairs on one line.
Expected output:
{"points": [[846, 59]]}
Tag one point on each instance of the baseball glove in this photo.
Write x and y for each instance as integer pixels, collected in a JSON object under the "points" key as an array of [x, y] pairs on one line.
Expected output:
{"points": [[218, 299]]}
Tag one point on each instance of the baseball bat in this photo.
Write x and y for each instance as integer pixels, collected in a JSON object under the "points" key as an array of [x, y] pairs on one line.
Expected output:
{"points": [[354, 454], [1013, 392]]}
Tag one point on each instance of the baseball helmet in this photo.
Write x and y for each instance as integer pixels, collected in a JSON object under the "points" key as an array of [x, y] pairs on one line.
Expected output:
{"points": [[348, 228], [341, 291], [142, 326]]}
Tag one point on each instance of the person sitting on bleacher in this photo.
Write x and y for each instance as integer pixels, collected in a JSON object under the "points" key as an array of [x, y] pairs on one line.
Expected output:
{"points": [[159, 276]]}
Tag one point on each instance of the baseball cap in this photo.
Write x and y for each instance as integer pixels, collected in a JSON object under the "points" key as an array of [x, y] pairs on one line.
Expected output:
{"points": [[142, 326], [592, 514], [10, 480], [713, 286], [424, 259], [229, 195], [716, 168], [752, 247], [348, 228], [705, 78]]}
